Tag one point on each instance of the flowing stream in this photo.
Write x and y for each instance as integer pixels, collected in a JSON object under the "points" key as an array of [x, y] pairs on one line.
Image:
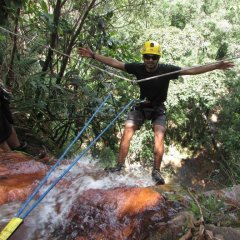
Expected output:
{"points": [[51, 213]]}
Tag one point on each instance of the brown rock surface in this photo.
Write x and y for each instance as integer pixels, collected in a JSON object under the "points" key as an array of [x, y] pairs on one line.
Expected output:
{"points": [[120, 213], [19, 174]]}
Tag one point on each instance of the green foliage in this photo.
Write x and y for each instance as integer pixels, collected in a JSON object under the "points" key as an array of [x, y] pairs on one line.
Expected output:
{"points": [[2, 47], [14, 4], [142, 146], [222, 51], [182, 14], [190, 103], [228, 125], [210, 208], [107, 157]]}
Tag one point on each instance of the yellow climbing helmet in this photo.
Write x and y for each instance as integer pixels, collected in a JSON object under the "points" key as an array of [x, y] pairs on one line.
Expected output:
{"points": [[151, 47]]}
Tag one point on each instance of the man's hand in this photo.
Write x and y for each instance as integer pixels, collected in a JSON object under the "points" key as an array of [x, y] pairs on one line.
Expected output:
{"points": [[225, 65], [86, 52]]}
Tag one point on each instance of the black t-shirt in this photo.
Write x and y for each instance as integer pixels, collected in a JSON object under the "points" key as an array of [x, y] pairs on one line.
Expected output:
{"points": [[155, 89]]}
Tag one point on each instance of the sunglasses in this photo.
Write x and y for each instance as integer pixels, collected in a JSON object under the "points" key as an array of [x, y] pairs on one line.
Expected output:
{"points": [[150, 56]]}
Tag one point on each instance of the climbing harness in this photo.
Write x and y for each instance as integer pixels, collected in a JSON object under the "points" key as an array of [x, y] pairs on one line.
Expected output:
{"points": [[15, 222]]}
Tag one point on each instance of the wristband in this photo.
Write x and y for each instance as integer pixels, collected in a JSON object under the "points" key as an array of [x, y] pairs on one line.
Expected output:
{"points": [[93, 55]]}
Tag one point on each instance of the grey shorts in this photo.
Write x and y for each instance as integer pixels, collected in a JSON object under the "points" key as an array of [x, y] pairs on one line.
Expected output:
{"points": [[142, 112]]}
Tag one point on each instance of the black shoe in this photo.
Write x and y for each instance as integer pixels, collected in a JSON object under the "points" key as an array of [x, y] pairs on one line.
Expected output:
{"points": [[157, 177], [117, 168], [22, 147]]}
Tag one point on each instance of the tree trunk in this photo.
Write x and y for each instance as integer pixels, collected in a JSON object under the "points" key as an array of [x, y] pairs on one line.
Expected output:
{"points": [[10, 74], [54, 35], [72, 42]]}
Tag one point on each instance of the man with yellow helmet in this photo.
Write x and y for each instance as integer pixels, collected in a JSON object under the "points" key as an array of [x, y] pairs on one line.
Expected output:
{"points": [[153, 94]]}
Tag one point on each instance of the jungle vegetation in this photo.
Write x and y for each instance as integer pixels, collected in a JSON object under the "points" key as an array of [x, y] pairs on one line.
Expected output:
{"points": [[55, 92]]}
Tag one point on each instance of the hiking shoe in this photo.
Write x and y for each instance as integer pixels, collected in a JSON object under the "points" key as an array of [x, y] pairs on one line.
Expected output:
{"points": [[22, 147], [117, 168], [157, 177]]}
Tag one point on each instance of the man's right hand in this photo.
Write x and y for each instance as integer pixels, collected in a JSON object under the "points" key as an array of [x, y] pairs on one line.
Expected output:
{"points": [[86, 52]]}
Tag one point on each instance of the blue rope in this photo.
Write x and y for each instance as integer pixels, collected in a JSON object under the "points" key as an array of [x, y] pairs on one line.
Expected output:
{"points": [[74, 162], [61, 158]]}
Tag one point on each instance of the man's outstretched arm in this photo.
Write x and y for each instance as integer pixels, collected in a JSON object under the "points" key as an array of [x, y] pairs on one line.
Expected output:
{"points": [[88, 53], [222, 65]]}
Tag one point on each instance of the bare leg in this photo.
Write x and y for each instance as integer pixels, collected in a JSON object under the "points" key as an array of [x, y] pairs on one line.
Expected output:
{"points": [[128, 133], [13, 140], [158, 153], [158, 145]]}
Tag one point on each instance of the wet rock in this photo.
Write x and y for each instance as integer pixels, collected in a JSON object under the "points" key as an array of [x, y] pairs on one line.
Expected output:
{"points": [[120, 213], [19, 174]]}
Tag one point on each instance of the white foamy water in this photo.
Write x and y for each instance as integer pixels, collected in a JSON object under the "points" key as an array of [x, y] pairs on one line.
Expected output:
{"points": [[86, 174]]}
